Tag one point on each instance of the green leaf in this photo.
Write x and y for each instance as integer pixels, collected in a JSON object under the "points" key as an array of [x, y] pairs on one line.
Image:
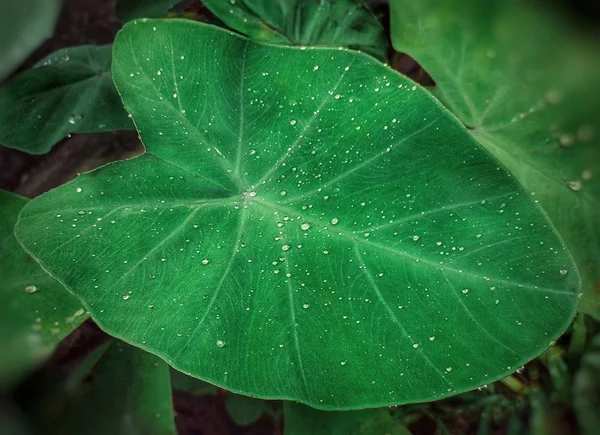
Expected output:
{"points": [[346, 23], [182, 382], [131, 393], [302, 420], [586, 389], [117, 389], [70, 91], [36, 311], [24, 25], [305, 224], [128, 10], [244, 410], [496, 66]]}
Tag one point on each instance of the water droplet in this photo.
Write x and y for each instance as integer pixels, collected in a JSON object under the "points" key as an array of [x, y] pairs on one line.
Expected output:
{"points": [[521, 369], [432, 338], [415, 345], [415, 237], [563, 271], [220, 343], [305, 226], [334, 221], [293, 122], [566, 140], [285, 248], [305, 306], [252, 194], [31, 289], [343, 363], [78, 190], [205, 261], [125, 297], [316, 67], [448, 369], [465, 291], [574, 185]]}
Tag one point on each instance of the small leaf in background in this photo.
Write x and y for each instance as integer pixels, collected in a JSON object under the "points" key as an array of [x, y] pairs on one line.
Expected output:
{"points": [[302, 420], [586, 389], [128, 10], [244, 410], [523, 82], [182, 382], [117, 389], [36, 312], [345, 23], [70, 91], [24, 25], [312, 224]]}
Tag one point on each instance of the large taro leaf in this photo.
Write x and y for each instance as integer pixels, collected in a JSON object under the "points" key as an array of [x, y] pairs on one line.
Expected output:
{"points": [[305, 224], [24, 25], [346, 23], [70, 91], [522, 82], [36, 312]]}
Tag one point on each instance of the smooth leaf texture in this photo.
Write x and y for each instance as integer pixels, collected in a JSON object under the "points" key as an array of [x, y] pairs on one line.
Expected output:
{"points": [[128, 10], [36, 312], [302, 420], [305, 224], [70, 91], [346, 23], [495, 64], [24, 25]]}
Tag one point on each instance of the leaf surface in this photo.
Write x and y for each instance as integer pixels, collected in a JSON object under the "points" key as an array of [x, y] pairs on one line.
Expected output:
{"points": [[346, 23], [70, 91], [521, 80], [24, 25], [305, 224], [36, 311]]}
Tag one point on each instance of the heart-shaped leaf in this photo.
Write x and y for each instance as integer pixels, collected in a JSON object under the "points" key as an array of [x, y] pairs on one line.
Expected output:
{"points": [[36, 312], [305, 224], [521, 81], [70, 91], [345, 23], [24, 25]]}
